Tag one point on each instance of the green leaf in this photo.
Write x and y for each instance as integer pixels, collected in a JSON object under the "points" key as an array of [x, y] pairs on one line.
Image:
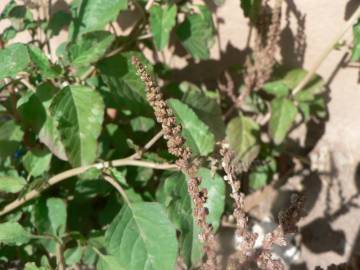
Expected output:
{"points": [[261, 173], [276, 88], [79, 111], [173, 194], [32, 266], [11, 184], [196, 33], [89, 48], [8, 34], [162, 21], [12, 233], [107, 262], [10, 137], [95, 14], [282, 117], [356, 49], [58, 21], [251, 8], [128, 89], [42, 63], [206, 108], [197, 134], [242, 133], [72, 256], [141, 237], [14, 59], [143, 124], [37, 161]]}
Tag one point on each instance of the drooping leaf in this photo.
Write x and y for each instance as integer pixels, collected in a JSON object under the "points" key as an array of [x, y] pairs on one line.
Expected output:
{"points": [[356, 49], [93, 15], [198, 136], [11, 184], [12, 233], [89, 48], [162, 21], [37, 161], [173, 194], [196, 33], [126, 86], [14, 59], [79, 111], [282, 117], [142, 237], [242, 134], [206, 108], [41, 61]]}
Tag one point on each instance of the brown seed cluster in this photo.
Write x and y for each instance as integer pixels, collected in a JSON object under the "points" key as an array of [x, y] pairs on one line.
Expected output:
{"points": [[175, 144]]}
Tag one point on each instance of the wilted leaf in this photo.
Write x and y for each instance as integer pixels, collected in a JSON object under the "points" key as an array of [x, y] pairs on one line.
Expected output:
{"points": [[12, 233], [162, 21], [196, 33], [242, 134], [142, 237], [282, 117], [79, 111], [14, 59], [197, 134]]}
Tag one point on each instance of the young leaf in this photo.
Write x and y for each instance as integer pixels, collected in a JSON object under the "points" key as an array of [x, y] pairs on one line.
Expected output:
{"points": [[8, 34], [12, 233], [162, 21], [196, 33], [282, 117], [80, 112], [142, 237], [42, 63], [32, 266], [143, 124], [356, 49], [95, 14], [37, 161], [11, 184], [242, 134], [14, 58], [197, 134], [89, 48]]}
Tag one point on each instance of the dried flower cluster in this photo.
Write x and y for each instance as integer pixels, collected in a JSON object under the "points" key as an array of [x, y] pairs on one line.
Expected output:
{"points": [[259, 70], [175, 144], [287, 224]]}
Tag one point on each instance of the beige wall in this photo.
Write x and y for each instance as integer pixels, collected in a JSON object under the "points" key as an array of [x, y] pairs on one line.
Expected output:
{"points": [[323, 19]]}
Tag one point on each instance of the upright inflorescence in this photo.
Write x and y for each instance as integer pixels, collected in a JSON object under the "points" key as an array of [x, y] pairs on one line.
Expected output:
{"points": [[176, 146]]}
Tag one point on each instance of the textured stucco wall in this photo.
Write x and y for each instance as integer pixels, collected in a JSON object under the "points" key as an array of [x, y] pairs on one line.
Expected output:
{"points": [[339, 147]]}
